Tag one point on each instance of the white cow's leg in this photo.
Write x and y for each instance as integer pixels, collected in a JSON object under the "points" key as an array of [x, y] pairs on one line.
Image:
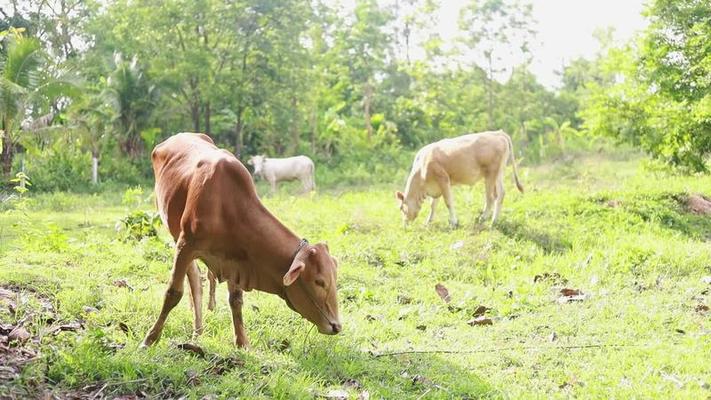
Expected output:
{"points": [[433, 205], [490, 198], [272, 183], [449, 201], [500, 192]]}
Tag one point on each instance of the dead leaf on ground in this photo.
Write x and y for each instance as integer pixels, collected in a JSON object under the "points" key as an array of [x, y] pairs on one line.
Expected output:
{"points": [[89, 309], [480, 321], [421, 379], [193, 379], [701, 308], [123, 283], [19, 333], [192, 348], [364, 395], [443, 292], [222, 365], [481, 310], [421, 327], [571, 295], [351, 383], [402, 299], [69, 327], [124, 327]]}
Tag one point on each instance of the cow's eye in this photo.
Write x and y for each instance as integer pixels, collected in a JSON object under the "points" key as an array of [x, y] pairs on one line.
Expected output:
{"points": [[320, 282]]}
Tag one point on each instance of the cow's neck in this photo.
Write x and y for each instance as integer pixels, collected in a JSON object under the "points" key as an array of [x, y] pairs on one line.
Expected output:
{"points": [[272, 247], [415, 187]]}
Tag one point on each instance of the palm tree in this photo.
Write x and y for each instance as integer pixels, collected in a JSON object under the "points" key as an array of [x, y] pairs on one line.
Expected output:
{"points": [[23, 88], [19, 77], [134, 98]]}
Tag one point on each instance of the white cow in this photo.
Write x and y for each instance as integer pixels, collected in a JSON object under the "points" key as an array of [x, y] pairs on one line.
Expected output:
{"points": [[275, 170], [462, 160]]}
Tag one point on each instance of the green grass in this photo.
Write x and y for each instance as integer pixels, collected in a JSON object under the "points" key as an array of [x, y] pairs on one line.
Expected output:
{"points": [[605, 226]]}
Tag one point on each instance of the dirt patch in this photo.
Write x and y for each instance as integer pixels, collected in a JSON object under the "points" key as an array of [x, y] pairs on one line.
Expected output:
{"points": [[696, 204]]}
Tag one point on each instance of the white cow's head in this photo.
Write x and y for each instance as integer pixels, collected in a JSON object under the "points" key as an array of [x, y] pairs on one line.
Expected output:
{"points": [[258, 163], [409, 207]]}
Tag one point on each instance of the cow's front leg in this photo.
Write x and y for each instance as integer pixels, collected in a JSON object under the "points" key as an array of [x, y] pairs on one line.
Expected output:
{"points": [[272, 182], [433, 205], [236, 302], [449, 201], [182, 262]]}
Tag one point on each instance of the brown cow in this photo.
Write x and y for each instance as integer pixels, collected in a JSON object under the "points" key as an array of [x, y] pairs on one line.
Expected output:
{"points": [[207, 199], [460, 160]]}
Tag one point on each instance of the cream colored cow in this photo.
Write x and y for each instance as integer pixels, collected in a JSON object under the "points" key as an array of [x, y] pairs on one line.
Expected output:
{"points": [[462, 160]]}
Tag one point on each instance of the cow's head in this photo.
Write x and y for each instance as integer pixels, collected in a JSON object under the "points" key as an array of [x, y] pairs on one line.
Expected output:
{"points": [[258, 163], [408, 207], [311, 287]]}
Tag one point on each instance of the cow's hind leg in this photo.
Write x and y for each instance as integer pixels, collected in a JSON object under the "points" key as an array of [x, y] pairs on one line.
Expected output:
{"points": [[213, 283], [183, 260], [490, 198], [195, 297], [500, 192], [236, 302], [433, 205]]}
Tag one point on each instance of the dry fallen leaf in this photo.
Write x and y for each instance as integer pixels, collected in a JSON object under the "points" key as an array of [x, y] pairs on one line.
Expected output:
{"points": [[571, 295], [364, 395], [701, 308], [70, 327], [402, 299], [123, 283], [443, 292], [124, 327], [193, 377], [19, 333], [570, 292], [481, 310], [479, 321], [192, 348]]}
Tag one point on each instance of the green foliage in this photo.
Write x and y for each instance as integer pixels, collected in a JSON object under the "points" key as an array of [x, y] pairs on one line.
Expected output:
{"points": [[138, 225], [656, 95]]}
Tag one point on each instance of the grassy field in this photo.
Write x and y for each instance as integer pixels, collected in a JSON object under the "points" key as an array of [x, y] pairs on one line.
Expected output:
{"points": [[606, 227]]}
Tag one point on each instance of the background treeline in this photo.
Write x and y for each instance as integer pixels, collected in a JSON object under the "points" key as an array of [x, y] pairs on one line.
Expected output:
{"points": [[89, 87]]}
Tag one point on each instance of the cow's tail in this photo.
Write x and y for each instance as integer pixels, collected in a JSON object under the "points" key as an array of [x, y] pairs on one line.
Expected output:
{"points": [[513, 162]]}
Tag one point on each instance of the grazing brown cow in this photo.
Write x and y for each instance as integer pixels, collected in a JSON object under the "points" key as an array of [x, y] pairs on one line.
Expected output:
{"points": [[461, 160], [207, 200]]}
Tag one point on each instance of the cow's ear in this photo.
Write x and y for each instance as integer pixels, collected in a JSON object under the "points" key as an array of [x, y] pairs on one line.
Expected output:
{"points": [[294, 271], [399, 195]]}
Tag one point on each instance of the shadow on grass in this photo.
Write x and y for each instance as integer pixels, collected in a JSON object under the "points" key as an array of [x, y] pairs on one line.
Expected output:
{"points": [[544, 240], [393, 377]]}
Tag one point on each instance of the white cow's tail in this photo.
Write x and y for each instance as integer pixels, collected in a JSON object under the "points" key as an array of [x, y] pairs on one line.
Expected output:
{"points": [[513, 162]]}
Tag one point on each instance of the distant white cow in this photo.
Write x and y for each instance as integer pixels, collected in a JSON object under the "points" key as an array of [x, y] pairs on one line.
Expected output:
{"points": [[275, 170]]}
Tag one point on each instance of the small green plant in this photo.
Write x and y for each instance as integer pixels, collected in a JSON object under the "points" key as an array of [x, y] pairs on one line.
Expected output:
{"points": [[21, 181], [138, 225]]}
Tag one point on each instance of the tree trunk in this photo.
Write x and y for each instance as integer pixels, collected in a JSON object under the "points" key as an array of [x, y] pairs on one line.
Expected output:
{"points": [[94, 167], [207, 117], [195, 115], [490, 90], [7, 153], [295, 134], [238, 137], [314, 130], [367, 101]]}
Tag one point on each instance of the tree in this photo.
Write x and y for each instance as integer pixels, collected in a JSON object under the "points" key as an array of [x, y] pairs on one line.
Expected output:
{"points": [[20, 65], [492, 25]]}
